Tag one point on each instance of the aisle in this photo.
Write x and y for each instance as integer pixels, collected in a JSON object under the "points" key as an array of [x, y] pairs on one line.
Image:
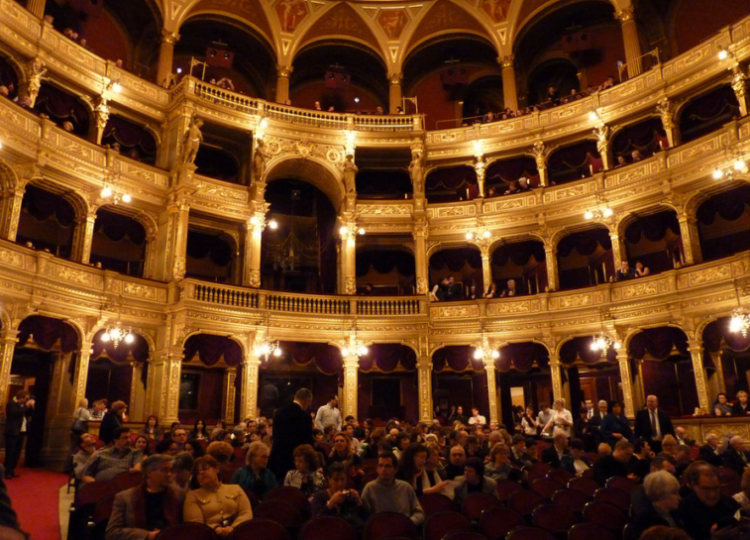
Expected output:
{"points": [[35, 498]]}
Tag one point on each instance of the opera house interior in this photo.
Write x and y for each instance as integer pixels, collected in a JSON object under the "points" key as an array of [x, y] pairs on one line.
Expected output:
{"points": [[209, 204]]}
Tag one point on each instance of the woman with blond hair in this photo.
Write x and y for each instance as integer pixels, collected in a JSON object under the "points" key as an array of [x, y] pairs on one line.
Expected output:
{"points": [[255, 476]]}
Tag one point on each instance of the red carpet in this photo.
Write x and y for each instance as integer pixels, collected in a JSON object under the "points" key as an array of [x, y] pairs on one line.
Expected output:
{"points": [[35, 499]]}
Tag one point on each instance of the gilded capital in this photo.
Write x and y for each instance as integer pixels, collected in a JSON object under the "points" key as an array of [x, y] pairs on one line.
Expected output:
{"points": [[665, 108], [284, 71], [395, 78], [167, 36], [506, 61], [626, 14]]}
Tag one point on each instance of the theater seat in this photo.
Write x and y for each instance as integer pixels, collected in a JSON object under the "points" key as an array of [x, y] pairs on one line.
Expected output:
{"points": [[183, 531]]}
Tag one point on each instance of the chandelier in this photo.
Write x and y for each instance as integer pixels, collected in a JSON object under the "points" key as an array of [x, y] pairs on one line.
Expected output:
{"points": [[116, 334], [358, 346], [268, 348], [740, 322], [598, 214], [115, 194], [481, 352], [603, 343], [738, 167]]}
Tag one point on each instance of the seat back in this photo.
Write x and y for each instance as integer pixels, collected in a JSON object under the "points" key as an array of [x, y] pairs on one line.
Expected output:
{"points": [[259, 528], [127, 479], [506, 488], [89, 494], [554, 518], [292, 495], [496, 523], [386, 524], [530, 533], [584, 485], [590, 531], [524, 502], [571, 498], [476, 503], [613, 496], [442, 523], [545, 487], [465, 535], [103, 508], [539, 470], [436, 502], [282, 513], [193, 531], [622, 483], [561, 476], [326, 528], [605, 515]]}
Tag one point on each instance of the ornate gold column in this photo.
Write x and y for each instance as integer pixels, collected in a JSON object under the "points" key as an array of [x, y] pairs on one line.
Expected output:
{"points": [[394, 91], [137, 404], [741, 87], [489, 368], [81, 375], [721, 383], [630, 40], [540, 153], [166, 55], [602, 133], [619, 252], [36, 7], [486, 266], [691, 249], [510, 92], [249, 386], [101, 117], [228, 394], [420, 232], [556, 372], [666, 111], [10, 212], [253, 245], [348, 257], [172, 237], [282, 83], [62, 396], [553, 280], [480, 167], [351, 373], [424, 381], [83, 236], [8, 342], [167, 385], [695, 347], [149, 264], [626, 379]]}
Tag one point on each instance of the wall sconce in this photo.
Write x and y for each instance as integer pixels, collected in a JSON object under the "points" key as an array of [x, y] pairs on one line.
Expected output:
{"points": [[477, 235], [598, 214]]}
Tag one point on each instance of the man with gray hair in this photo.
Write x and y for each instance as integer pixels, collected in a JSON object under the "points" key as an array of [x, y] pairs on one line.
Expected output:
{"points": [[638, 499], [663, 493], [711, 451], [140, 513], [182, 469], [735, 456]]}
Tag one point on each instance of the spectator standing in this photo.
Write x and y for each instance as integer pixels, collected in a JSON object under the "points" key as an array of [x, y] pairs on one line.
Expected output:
{"points": [[615, 426], [653, 424], [543, 418], [292, 427], [561, 420], [113, 419], [329, 415], [17, 417], [477, 418]]}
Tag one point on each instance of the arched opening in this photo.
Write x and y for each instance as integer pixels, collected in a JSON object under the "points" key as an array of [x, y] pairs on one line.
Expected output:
{"points": [[440, 73], [44, 358], [571, 163], [47, 222], [63, 108], [509, 176], [726, 358], [459, 380], [8, 79], [300, 254], [456, 271], [388, 386], [523, 263], [451, 184], [252, 67], [584, 259], [210, 379], [559, 74], [523, 378], [134, 141], [384, 268], [724, 222], [119, 243], [364, 90], [654, 241], [383, 174], [662, 362], [118, 371], [706, 113], [315, 366], [639, 141], [211, 256], [223, 154], [590, 374], [484, 95]]}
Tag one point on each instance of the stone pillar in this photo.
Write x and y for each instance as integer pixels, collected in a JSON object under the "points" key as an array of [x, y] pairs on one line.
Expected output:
{"points": [[10, 212], [137, 404], [172, 238], [486, 267], [166, 385], [62, 396], [149, 264], [228, 394], [282, 83], [424, 381], [602, 145], [510, 92], [249, 386], [626, 379], [348, 259], [721, 382], [8, 342], [555, 369], [553, 280], [36, 7], [394, 92], [253, 244], [540, 156], [691, 248], [630, 40], [81, 375], [166, 55], [351, 374], [695, 347], [741, 87], [489, 368], [83, 236], [420, 233], [666, 111], [619, 251]]}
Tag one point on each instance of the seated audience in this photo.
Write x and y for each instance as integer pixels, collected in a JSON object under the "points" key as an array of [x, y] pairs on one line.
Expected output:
{"points": [[640, 270], [743, 497], [575, 462], [433, 478], [640, 463], [255, 476], [151, 429], [143, 511], [411, 466], [735, 457], [220, 426], [198, 433], [705, 506], [109, 462], [182, 469], [112, 420], [615, 426], [741, 407], [638, 500], [342, 453], [711, 451], [305, 474], [85, 449], [615, 464], [167, 446], [492, 292], [456, 461], [681, 434], [387, 494], [500, 466], [338, 501], [474, 481], [682, 459], [669, 445], [663, 493], [220, 506], [553, 455], [141, 445], [519, 457]]}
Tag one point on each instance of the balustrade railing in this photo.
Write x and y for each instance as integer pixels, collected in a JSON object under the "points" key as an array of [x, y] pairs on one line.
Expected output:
{"points": [[226, 98], [227, 296], [406, 306], [308, 304]]}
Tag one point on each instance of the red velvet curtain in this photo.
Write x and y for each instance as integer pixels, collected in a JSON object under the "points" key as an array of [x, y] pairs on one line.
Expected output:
{"points": [[457, 358], [116, 227], [44, 205], [658, 343], [455, 259], [646, 137], [584, 242], [716, 336], [522, 357], [46, 332], [653, 227], [573, 162], [138, 348], [579, 348], [327, 358], [211, 348], [510, 170], [129, 134], [386, 357]]}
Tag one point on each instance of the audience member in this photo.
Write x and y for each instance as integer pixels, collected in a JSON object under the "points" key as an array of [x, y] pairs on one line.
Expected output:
{"points": [[735, 457], [474, 480], [292, 427], [638, 500], [561, 419], [387, 494], [305, 474], [84, 450], [615, 426], [640, 270], [18, 413], [624, 273], [198, 433], [741, 407], [151, 429], [543, 418], [575, 462], [640, 463], [182, 469], [663, 493], [743, 497], [500, 466], [653, 424], [112, 420], [336, 500], [329, 415], [553, 455], [711, 451], [706, 506], [195, 449], [254, 476], [722, 407], [615, 464], [109, 462], [141, 445]]}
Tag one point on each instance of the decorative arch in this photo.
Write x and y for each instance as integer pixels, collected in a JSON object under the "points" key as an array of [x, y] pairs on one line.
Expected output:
{"points": [[146, 220], [211, 347], [530, 352], [47, 331], [631, 217], [526, 237], [8, 176], [555, 239], [248, 12], [317, 172], [81, 206]]}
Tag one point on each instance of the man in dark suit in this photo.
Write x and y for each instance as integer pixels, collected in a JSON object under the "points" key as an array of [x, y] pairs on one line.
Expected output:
{"points": [[17, 416], [652, 424], [615, 464], [292, 426], [735, 457], [595, 422], [552, 455], [711, 451], [705, 506]]}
